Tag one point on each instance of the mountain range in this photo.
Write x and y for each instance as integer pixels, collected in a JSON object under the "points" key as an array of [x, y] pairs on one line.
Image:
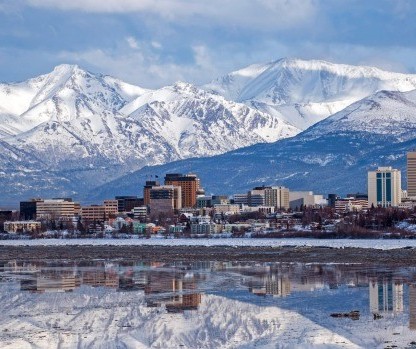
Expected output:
{"points": [[307, 124]]}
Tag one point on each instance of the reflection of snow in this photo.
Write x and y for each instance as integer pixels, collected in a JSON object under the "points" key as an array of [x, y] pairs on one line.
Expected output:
{"points": [[97, 318]]}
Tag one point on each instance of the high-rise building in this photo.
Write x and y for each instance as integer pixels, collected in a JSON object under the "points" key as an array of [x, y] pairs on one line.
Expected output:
{"points": [[189, 184], [384, 187], [411, 174], [277, 197], [165, 198], [146, 191]]}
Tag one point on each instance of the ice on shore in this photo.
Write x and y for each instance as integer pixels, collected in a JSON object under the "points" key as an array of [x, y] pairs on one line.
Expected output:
{"points": [[382, 244]]}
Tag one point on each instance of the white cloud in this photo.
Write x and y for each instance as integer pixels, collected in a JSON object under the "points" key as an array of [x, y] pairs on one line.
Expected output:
{"points": [[132, 42], [264, 14], [156, 44]]}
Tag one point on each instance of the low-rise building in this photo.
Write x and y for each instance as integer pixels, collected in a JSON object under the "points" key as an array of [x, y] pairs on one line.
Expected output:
{"points": [[56, 209], [140, 213], [21, 227], [350, 204], [204, 228], [226, 209], [298, 199]]}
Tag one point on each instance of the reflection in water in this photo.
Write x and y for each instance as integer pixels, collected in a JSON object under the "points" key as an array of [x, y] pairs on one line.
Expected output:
{"points": [[412, 306], [386, 295], [314, 291]]}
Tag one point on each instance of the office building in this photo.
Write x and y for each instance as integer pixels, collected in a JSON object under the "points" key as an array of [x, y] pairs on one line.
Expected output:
{"points": [[28, 209], [411, 174], [384, 187], [146, 191], [140, 213], [298, 199], [127, 203], [189, 184], [100, 212], [350, 204], [277, 197], [165, 198], [56, 209]]}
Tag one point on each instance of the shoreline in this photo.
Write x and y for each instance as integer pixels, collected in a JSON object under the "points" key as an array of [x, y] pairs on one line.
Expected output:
{"points": [[148, 253]]}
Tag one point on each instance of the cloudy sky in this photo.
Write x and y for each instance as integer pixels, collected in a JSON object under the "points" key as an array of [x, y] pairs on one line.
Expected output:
{"points": [[157, 42]]}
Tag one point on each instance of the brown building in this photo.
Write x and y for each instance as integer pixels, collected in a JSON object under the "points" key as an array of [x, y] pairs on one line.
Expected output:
{"points": [[189, 184], [146, 191], [411, 174]]}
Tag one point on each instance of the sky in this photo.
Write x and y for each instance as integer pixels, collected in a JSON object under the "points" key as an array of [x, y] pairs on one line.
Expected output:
{"points": [[153, 43]]}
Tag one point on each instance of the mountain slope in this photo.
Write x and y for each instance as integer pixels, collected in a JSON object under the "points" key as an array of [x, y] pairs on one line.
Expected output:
{"points": [[305, 92], [90, 129], [332, 156]]}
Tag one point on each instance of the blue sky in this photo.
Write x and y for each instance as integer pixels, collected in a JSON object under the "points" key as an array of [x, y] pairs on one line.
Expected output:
{"points": [[153, 43]]}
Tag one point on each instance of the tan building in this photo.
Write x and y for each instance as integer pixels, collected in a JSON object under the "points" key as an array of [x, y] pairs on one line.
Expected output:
{"points": [[384, 187], [277, 197], [411, 174], [100, 212], [111, 207], [55, 209], [228, 208], [165, 198], [350, 204], [21, 227], [189, 184]]}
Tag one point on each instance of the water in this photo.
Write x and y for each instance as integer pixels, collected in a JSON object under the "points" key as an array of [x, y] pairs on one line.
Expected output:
{"points": [[120, 304]]}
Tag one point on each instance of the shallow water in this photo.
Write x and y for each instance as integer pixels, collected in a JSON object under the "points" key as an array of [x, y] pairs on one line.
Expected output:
{"points": [[120, 304]]}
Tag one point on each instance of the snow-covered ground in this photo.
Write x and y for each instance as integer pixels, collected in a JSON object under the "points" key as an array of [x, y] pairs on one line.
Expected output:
{"points": [[382, 244]]}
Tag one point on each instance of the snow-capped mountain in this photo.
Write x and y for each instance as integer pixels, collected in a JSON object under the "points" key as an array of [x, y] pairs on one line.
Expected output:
{"points": [[305, 92], [332, 156], [65, 94], [101, 128]]}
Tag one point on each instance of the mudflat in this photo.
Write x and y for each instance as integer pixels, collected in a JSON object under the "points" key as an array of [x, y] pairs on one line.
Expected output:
{"points": [[401, 256]]}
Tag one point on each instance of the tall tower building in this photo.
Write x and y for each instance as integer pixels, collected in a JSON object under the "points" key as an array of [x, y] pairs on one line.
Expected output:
{"points": [[411, 174], [384, 187], [189, 184]]}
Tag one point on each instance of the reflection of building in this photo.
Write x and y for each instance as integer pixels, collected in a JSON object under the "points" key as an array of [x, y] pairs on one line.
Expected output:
{"points": [[180, 292], [50, 281], [103, 278], [412, 306], [386, 295], [272, 284]]}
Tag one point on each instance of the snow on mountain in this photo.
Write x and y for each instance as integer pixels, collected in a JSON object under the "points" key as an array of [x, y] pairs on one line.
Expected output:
{"points": [[66, 93], [305, 92], [73, 120], [332, 156], [384, 113]]}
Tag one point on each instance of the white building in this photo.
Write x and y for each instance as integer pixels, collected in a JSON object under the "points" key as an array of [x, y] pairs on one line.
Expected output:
{"points": [[384, 187], [305, 198]]}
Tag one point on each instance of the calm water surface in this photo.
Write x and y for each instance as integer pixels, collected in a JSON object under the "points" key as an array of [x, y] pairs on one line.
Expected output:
{"points": [[117, 304]]}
